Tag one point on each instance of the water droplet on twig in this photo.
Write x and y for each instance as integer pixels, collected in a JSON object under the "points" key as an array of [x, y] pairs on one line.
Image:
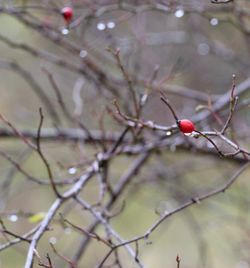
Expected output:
{"points": [[111, 25], [214, 21], [13, 218], [83, 54], [72, 170], [65, 31], [101, 26], [53, 240], [179, 13], [169, 133]]}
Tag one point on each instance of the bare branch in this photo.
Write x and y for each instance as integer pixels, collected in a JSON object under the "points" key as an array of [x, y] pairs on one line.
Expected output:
{"points": [[45, 161]]}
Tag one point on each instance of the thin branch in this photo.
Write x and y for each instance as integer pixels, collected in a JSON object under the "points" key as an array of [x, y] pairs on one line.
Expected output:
{"points": [[232, 109], [73, 191], [64, 134], [119, 140], [124, 181], [221, 1], [89, 234], [196, 200], [40, 231], [64, 107], [45, 161], [15, 235], [98, 216], [223, 101], [116, 55], [211, 141], [178, 261], [233, 103], [166, 101], [34, 86], [66, 259], [18, 240], [45, 265], [17, 166], [134, 122], [17, 132]]}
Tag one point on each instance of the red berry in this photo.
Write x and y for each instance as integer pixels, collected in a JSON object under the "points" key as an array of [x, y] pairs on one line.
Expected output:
{"points": [[67, 13], [186, 126]]}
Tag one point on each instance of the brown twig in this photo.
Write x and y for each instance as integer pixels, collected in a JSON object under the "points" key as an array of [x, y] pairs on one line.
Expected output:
{"points": [[39, 151], [89, 234], [66, 259], [15, 235], [17, 132], [18, 240], [4, 231], [211, 141], [116, 55], [229, 119], [215, 115], [64, 107], [189, 203], [233, 103], [118, 190], [34, 86], [134, 122], [166, 101], [45, 265], [101, 219], [178, 261]]}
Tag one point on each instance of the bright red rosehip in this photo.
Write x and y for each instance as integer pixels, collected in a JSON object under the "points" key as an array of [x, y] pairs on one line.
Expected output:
{"points": [[186, 126], [67, 13]]}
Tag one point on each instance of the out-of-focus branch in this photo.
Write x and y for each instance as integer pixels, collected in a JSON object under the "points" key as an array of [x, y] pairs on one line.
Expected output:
{"points": [[118, 190], [128, 80], [89, 69], [221, 1], [139, 138], [73, 191], [63, 134], [18, 239], [64, 108], [42, 156], [34, 86], [105, 223], [196, 200], [50, 135], [223, 101]]}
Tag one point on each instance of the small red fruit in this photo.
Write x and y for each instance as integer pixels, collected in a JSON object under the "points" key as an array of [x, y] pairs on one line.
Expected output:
{"points": [[186, 126], [67, 13]]}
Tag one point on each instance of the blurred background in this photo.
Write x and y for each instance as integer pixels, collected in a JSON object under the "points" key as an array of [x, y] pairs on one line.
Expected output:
{"points": [[189, 49]]}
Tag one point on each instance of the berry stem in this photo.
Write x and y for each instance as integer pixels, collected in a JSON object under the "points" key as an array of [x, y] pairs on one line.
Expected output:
{"points": [[170, 108]]}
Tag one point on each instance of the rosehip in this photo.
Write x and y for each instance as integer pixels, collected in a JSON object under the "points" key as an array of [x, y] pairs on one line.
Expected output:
{"points": [[186, 126], [67, 13]]}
